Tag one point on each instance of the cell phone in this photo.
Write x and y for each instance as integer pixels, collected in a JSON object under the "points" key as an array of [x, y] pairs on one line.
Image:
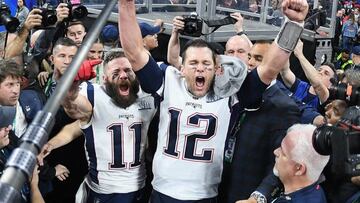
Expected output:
{"points": [[7, 115]]}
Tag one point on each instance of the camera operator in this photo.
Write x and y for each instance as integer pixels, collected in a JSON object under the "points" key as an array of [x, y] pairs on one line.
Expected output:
{"points": [[341, 188], [299, 166]]}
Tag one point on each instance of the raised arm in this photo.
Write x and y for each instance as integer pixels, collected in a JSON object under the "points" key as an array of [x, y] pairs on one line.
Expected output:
{"points": [[130, 35], [239, 26], [276, 57], [311, 74], [173, 53], [287, 75], [16, 47], [76, 105]]}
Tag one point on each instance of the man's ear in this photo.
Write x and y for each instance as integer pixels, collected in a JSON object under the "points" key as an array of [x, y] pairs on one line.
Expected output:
{"points": [[219, 70], [51, 58], [300, 169], [182, 69]]}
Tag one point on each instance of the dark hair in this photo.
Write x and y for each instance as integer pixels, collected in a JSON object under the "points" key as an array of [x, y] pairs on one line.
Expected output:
{"points": [[71, 23], [199, 43], [24, 4], [113, 54], [334, 80], [8, 67], [217, 47], [346, 51], [64, 41]]}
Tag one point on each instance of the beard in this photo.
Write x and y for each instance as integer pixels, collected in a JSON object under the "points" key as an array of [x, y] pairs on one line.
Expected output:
{"points": [[120, 100]]}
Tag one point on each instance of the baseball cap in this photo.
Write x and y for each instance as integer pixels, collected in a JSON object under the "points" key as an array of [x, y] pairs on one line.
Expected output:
{"points": [[110, 33], [7, 115], [356, 50], [147, 29]]}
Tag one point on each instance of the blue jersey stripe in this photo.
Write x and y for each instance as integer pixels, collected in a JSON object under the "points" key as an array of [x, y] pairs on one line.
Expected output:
{"points": [[90, 148]]}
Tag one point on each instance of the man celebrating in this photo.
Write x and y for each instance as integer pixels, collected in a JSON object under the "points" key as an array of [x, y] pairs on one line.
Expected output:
{"points": [[193, 120], [115, 125]]}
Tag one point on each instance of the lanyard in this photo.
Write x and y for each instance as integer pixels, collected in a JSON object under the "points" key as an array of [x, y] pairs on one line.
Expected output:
{"points": [[237, 127], [230, 147], [48, 84]]}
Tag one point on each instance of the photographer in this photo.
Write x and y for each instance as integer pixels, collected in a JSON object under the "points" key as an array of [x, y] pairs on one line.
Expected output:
{"points": [[17, 46]]}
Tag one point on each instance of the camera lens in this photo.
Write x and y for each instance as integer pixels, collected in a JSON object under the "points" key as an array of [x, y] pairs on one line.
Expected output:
{"points": [[338, 92], [49, 17], [79, 12], [190, 27], [322, 139], [11, 23]]}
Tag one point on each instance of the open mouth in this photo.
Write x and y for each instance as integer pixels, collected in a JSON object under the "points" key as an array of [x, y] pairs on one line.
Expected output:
{"points": [[200, 81], [124, 89]]}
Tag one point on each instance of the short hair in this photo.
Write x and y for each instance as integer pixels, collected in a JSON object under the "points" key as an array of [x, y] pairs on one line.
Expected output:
{"points": [[64, 41], [198, 43], [304, 152], [72, 23], [113, 54], [346, 51], [237, 37], [334, 79], [9, 67]]}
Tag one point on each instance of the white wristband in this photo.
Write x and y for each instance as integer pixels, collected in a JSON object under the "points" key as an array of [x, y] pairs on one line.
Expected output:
{"points": [[289, 35]]}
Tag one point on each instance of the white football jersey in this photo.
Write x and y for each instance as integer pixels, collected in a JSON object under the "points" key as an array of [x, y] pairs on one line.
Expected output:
{"points": [[115, 140], [189, 158]]}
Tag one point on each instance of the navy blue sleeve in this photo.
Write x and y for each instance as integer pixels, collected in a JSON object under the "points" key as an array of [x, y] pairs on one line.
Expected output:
{"points": [[251, 91], [270, 187], [150, 76], [308, 113], [295, 85]]}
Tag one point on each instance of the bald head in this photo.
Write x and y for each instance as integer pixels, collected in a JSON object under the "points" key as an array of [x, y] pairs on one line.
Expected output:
{"points": [[238, 46], [34, 37]]}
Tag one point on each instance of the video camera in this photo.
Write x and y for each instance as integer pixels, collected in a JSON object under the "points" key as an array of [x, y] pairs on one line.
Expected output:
{"points": [[342, 143], [345, 92], [193, 25], [11, 23]]}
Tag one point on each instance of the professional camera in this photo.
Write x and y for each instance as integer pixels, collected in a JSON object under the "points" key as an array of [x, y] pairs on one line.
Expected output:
{"points": [[77, 11], [11, 23], [342, 142], [345, 92], [48, 13], [192, 25]]}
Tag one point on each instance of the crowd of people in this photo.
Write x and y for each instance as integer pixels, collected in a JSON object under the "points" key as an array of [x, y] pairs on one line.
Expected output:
{"points": [[216, 124]]}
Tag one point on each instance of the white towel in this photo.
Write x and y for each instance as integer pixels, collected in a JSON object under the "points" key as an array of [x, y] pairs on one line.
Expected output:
{"points": [[233, 75]]}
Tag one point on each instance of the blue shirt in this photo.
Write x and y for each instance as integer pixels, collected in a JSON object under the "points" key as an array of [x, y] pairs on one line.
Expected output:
{"points": [[310, 194], [301, 92]]}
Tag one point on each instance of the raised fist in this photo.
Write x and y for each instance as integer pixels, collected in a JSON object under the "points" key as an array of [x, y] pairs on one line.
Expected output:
{"points": [[295, 10], [86, 70]]}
